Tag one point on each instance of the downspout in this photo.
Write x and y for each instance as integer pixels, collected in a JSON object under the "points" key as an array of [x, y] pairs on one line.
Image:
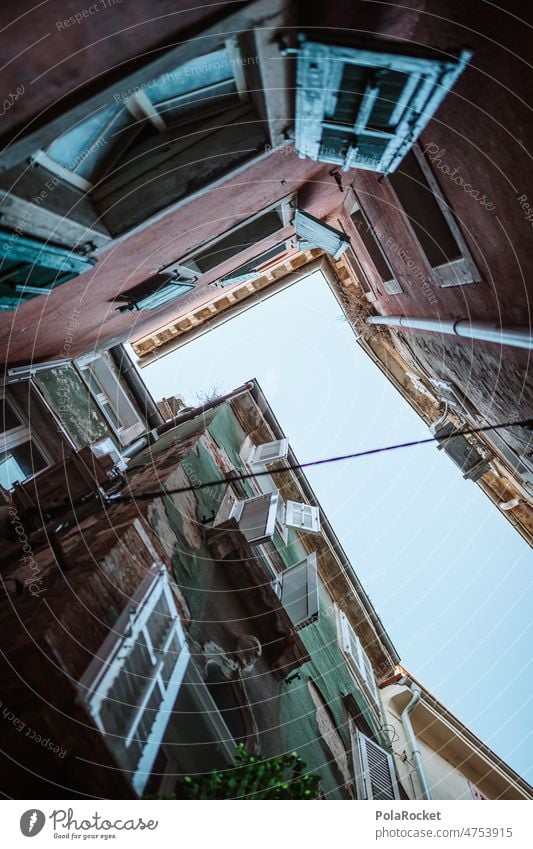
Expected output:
{"points": [[416, 692], [485, 331]]}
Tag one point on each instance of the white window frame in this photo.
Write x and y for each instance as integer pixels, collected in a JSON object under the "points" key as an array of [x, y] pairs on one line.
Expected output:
{"points": [[20, 435], [110, 667], [302, 516], [358, 661], [458, 272], [279, 449], [232, 507], [364, 774], [112, 393]]}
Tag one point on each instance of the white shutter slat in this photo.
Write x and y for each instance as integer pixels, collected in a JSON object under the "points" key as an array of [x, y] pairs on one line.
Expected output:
{"points": [[374, 766], [298, 591], [351, 645], [305, 517]]}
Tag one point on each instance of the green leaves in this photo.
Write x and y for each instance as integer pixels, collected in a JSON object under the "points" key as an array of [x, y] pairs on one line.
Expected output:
{"points": [[255, 777]]}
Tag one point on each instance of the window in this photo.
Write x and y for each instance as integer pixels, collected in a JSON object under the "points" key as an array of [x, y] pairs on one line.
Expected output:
{"points": [[112, 399], [29, 267], [20, 456], [155, 292], [257, 516], [373, 247], [374, 769], [432, 222], [132, 684], [316, 234], [246, 235], [268, 452], [465, 455], [198, 89], [302, 516], [255, 267], [297, 588], [364, 108], [358, 659]]}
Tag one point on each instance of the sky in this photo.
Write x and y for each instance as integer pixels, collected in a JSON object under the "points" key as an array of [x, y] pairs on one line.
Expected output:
{"points": [[448, 575]]}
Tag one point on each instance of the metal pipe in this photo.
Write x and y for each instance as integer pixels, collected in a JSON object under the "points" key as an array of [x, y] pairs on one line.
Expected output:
{"points": [[516, 337], [128, 371], [416, 693]]}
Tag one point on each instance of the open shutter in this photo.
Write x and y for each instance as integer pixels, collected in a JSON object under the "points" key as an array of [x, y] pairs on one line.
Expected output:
{"points": [[268, 452], [374, 769], [257, 517], [352, 647], [320, 235], [298, 591], [132, 695], [302, 516]]}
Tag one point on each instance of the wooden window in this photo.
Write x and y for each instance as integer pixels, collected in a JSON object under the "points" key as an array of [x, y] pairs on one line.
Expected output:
{"points": [[358, 659], [21, 456], [316, 234], [132, 684], [107, 390], [374, 769], [305, 517], [29, 267], [297, 588], [364, 108], [269, 452], [372, 244], [432, 222]]}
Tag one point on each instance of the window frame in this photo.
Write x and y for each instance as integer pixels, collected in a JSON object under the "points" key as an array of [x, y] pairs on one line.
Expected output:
{"points": [[20, 435], [363, 769], [359, 663], [320, 68], [118, 399], [457, 272], [286, 211], [103, 672], [392, 285]]}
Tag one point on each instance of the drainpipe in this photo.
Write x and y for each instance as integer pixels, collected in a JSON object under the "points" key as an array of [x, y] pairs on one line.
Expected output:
{"points": [[516, 337], [416, 692], [137, 385]]}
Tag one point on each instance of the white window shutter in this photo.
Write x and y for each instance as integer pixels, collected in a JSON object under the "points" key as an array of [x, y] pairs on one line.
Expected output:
{"points": [[298, 591], [132, 696], [374, 769], [257, 517], [302, 516], [352, 647], [322, 235], [268, 452]]}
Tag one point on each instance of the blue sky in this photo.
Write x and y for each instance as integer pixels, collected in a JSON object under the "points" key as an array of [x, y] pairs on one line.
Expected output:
{"points": [[448, 575]]}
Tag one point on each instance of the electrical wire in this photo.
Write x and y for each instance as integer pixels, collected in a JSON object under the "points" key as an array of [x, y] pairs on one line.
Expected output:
{"points": [[292, 467]]}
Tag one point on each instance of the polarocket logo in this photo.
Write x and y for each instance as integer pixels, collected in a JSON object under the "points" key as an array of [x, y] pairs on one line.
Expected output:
{"points": [[32, 822]]}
